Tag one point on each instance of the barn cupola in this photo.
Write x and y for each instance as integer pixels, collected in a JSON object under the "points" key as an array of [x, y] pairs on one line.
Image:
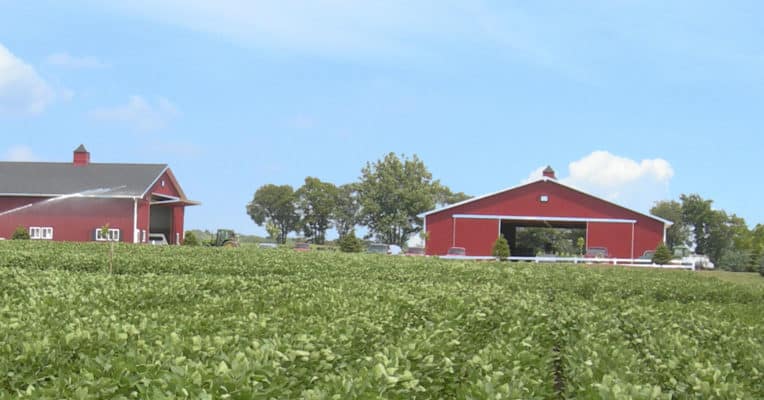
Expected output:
{"points": [[81, 156], [549, 173]]}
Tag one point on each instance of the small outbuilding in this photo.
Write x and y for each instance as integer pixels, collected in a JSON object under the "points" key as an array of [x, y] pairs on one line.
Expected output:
{"points": [[475, 224], [73, 201]]}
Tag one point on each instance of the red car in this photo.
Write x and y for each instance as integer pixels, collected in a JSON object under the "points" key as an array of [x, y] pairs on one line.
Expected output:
{"points": [[302, 247], [415, 251]]}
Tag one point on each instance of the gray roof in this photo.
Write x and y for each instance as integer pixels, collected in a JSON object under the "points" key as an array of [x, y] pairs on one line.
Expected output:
{"points": [[99, 180]]}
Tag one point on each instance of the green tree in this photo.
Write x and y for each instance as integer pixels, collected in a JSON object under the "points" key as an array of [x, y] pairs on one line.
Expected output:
{"points": [[275, 204], [678, 234], [273, 231], [348, 243], [20, 233], [662, 255], [392, 193], [316, 202], [712, 230], [500, 248], [697, 214], [190, 239], [346, 209]]}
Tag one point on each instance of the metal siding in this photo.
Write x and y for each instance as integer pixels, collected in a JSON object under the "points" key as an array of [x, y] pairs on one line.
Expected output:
{"points": [[647, 236], [72, 219], [177, 224], [169, 188], [476, 235], [440, 229], [616, 238]]}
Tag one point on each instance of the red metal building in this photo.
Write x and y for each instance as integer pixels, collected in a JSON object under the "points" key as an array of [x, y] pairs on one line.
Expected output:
{"points": [[475, 224], [72, 201]]}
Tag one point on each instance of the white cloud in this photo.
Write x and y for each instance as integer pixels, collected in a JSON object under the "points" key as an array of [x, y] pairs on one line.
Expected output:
{"points": [[634, 184], [22, 90], [20, 153], [69, 61], [139, 114]]}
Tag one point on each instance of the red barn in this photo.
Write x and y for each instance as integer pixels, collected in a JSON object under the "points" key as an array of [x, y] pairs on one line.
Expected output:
{"points": [[72, 201], [475, 224]]}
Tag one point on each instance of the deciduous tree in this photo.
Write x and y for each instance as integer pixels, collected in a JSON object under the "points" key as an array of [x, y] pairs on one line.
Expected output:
{"points": [[275, 204], [346, 209], [316, 203], [678, 234], [392, 193]]}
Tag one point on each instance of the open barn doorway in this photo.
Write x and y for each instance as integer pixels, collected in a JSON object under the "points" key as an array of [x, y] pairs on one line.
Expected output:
{"points": [[535, 238], [161, 222]]}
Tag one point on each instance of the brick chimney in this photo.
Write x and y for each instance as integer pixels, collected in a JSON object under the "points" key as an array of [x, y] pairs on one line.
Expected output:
{"points": [[81, 156], [549, 173]]}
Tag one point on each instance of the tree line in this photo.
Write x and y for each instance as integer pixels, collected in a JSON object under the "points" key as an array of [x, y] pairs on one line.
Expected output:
{"points": [[387, 199], [724, 238]]}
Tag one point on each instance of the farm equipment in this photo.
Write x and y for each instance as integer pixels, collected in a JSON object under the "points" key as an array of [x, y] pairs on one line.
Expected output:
{"points": [[225, 238]]}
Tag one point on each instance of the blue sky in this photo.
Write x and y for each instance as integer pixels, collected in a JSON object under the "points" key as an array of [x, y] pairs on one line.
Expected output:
{"points": [[634, 101]]}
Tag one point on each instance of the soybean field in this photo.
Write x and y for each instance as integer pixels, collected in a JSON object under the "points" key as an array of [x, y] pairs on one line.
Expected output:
{"points": [[213, 323]]}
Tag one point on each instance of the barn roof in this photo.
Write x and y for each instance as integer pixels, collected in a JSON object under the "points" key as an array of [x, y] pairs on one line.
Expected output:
{"points": [[542, 179], [97, 180]]}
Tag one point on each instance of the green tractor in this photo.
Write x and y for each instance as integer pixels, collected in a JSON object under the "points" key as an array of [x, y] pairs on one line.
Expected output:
{"points": [[225, 238]]}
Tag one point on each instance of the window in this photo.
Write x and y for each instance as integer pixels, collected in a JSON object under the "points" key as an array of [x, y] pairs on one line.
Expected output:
{"points": [[544, 198], [41, 233], [112, 236]]}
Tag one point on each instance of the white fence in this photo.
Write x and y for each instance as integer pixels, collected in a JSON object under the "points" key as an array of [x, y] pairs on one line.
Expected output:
{"points": [[627, 262]]}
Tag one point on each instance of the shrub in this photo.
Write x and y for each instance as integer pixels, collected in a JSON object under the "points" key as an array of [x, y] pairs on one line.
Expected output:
{"points": [[190, 239], [20, 233], [350, 244], [735, 261], [500, 248], [662, 255]]}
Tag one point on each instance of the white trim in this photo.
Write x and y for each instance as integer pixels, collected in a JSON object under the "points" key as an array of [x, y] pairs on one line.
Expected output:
{"points": [[40, 233], [153, 203], [114, 235], [135, 220], [538, 218], [165, 196], [145, 192], [542, 179]]}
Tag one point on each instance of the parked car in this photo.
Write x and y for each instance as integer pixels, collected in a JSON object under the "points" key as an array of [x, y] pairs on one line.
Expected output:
{"points": [[597, 252], [415, 252], [456, 251], [647, 255], [157, 238], [268, 245], [378, 248], [302, 247]]}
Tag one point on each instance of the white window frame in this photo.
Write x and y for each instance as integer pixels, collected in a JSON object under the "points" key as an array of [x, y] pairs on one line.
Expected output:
{"points": [[41, 232], [114, 235]]}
